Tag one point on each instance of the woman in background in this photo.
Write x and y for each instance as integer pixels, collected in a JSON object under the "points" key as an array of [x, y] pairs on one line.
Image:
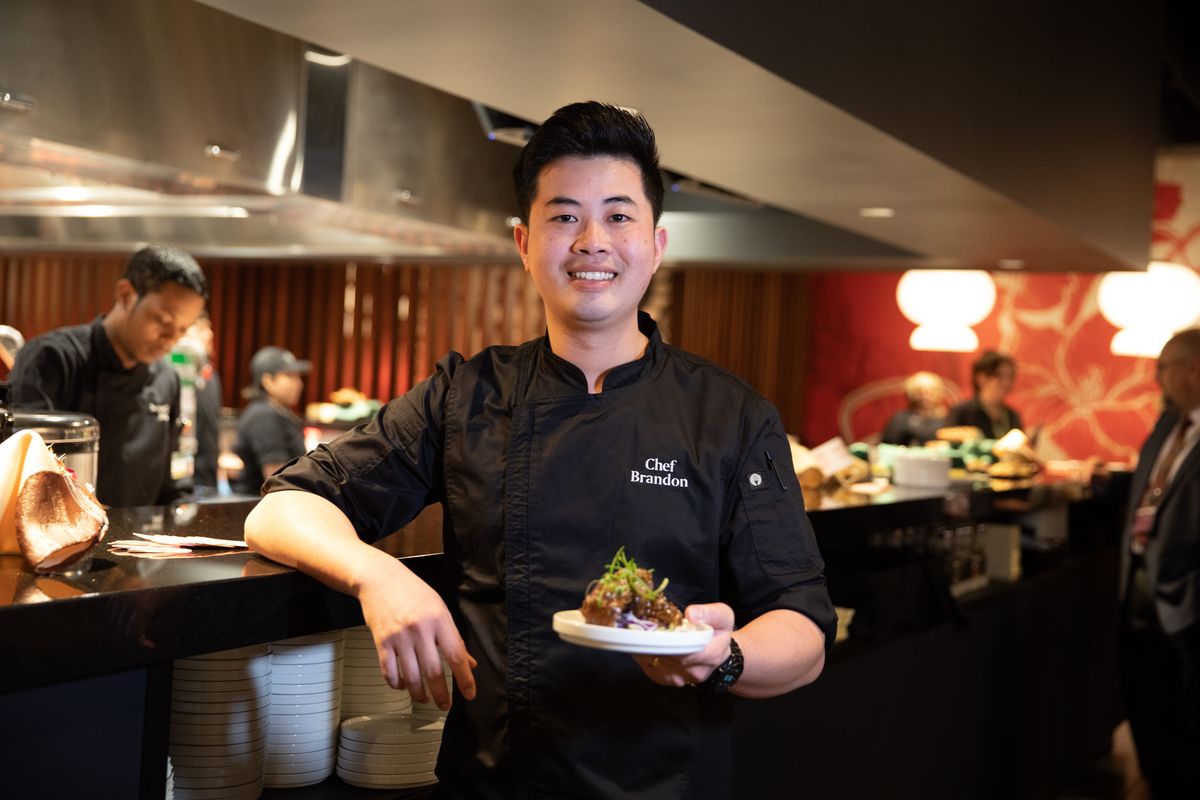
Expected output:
{"points": [[926, 411], [992, 376]]}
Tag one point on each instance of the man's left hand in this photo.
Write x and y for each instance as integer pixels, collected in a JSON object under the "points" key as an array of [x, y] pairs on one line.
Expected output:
{"points": [[694, 668]]}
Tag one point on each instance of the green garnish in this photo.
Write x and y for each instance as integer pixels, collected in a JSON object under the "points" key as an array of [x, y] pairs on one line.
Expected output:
{"points": [[622, 576]]}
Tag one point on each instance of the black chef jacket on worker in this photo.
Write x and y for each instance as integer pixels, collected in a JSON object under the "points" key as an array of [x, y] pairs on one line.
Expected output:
{"points": [[76, 369], [541, 483], [266, 434]]}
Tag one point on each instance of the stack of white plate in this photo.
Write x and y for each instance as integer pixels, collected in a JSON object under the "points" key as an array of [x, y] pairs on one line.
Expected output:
{"points": [[390, 751], [219, 718], [364, 691], [306, 683]]}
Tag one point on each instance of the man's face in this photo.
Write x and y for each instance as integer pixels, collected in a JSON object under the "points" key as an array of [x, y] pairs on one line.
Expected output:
{"points": [[591, 245], [1178, 374], [155, 321], [284, 388]]}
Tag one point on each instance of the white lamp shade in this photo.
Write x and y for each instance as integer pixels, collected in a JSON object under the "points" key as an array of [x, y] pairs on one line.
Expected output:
{"points": [[944, 336], [1124, 297], [1176, 291], [962, 297], [1145, 342]]}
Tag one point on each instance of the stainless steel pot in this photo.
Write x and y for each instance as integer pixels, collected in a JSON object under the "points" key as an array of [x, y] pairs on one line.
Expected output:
{"points": [[74, 437]]}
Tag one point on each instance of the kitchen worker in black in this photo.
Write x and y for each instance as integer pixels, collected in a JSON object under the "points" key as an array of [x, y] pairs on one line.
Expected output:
{"points": [[114, 370], [269, 433], [547, 457]]}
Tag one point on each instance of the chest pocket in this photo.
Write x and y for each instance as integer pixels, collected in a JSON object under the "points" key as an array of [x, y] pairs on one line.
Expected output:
{"points": [[783, 537]]}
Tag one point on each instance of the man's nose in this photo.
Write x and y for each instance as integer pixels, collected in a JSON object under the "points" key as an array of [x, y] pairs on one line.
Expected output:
{"points": [[592, 239]]}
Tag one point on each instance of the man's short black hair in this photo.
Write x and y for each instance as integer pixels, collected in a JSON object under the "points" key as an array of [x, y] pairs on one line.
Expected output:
{"points": [[156, 264], [585, 130]]}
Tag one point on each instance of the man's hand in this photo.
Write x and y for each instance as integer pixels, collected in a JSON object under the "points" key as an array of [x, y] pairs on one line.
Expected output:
{"points": [[413, 632], [694, 668]]}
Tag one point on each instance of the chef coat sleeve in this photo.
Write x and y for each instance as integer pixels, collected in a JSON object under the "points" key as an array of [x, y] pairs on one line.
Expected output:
{"points": [[40, 378], [382, 474], [769, 555]]}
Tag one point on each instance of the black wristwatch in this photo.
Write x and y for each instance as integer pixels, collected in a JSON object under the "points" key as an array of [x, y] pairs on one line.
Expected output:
{"points": [[728, 673]]}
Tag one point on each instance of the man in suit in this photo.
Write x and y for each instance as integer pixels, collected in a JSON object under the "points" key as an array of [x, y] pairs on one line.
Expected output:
{"points": [[1160, 583]]}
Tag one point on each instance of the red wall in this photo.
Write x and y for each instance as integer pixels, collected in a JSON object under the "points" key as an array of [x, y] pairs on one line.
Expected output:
{"points": [[1088, 401]]}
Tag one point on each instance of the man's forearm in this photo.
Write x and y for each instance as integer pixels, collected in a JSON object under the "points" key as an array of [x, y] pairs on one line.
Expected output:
{"points": [[783, 650], [307, 532]]}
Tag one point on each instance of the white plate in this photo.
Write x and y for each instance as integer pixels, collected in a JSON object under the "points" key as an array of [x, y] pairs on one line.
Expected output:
{"points": [[232, 685], [298, 779], [367, 762], [307, 698], [687, 638], [242, 792], [221, 707], [225, 718], [305, 673], [391, 728], [218, 739], [232, 780], [215, 750], [222, 670], [300, 658], [307, 750], [207, 696], [299, 738], [243, 762], [384, 749], [312, 687], [300, 762], [385, 781], [292, 709]]}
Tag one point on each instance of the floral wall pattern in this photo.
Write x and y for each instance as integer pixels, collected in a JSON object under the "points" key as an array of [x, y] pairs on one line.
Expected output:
{"points": [[1088, 401]]}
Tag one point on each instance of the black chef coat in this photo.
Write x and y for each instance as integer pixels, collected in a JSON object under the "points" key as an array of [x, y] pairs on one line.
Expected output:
{"points": [[76, 369], [266, 434], [970, 412], [541, 483], [208, 428]]}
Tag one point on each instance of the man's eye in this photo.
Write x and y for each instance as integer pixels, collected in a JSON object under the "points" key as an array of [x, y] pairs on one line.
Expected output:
{"points": [[619, 218], [563, 218]]}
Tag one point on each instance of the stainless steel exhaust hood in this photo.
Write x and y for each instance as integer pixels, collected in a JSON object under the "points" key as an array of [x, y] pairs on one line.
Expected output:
{"points": [[165, 120]]}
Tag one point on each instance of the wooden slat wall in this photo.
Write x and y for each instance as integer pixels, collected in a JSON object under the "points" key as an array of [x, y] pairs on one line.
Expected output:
{"points": [[755, 324], [376, 327], [381, 327]]}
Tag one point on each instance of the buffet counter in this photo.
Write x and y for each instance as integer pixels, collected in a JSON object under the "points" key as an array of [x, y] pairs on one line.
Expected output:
{"points": [[87, 660]]}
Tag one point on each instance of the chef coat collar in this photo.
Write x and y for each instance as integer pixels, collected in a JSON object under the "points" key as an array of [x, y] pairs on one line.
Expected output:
{"points": [[559, 370], [106, 354]]}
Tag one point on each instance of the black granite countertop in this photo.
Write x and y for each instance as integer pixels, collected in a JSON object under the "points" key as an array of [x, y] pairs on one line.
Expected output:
{"points": [[115, 612]]}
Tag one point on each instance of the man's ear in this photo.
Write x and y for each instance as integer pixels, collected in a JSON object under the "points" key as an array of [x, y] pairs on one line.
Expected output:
{"points": [[124, 294], [521, 237]]}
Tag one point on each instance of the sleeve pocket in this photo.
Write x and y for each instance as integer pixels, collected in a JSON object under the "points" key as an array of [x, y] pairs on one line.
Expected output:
{"points": [[783, 537]]}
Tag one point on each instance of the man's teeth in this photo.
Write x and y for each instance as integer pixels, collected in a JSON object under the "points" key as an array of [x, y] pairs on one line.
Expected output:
{"points": [[594, 276]]}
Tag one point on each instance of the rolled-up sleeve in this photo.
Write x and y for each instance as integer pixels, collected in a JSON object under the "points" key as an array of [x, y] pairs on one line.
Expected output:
{"points": [[769, 555], [383, 473]]}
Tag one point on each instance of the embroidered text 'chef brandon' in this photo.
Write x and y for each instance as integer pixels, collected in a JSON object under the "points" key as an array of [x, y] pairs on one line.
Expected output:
{"points": [[659, 473]]}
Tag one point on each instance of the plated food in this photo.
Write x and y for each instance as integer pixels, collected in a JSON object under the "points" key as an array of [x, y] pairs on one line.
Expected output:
{"points": [[624, 611]]}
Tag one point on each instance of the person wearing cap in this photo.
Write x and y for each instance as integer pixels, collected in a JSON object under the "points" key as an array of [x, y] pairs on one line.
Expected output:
{"points": [[113, 369], [270, 434]]}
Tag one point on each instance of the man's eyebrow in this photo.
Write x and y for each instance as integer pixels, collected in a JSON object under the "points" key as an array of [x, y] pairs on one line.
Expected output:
{"points": [[608, 201]]}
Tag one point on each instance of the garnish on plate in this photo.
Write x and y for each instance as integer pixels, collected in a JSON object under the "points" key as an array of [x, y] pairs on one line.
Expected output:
{"points": [[625, 597]]}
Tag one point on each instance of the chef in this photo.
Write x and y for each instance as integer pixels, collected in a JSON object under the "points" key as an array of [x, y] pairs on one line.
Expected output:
{"points": [[548, 457], [113, 369]]}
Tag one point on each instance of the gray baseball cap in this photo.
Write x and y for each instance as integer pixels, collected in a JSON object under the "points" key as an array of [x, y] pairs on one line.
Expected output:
{"points": [[270, 360]]}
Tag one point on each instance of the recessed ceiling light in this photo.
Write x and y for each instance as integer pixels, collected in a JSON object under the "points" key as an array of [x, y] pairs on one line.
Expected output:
{"points": [[1011, 263], [877, 212]]}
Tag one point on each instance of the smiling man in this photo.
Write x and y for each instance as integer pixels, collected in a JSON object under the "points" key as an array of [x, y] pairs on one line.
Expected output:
{"points": [[547, 458], [113, 370]]}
